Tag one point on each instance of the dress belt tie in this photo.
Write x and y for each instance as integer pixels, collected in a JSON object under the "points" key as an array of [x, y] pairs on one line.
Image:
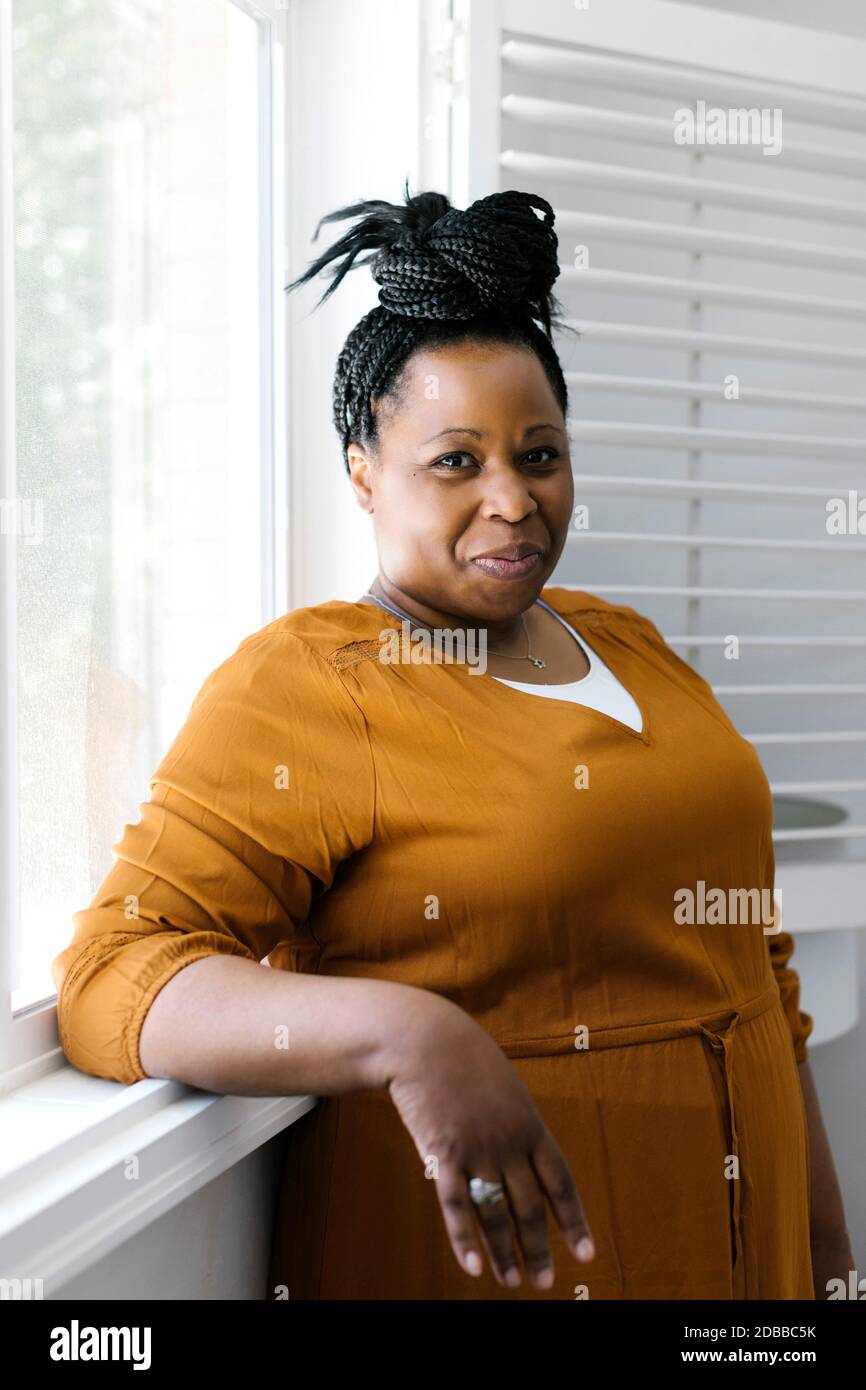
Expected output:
{"points": [[718, 1029], [722, 1045], [559, 1044]]}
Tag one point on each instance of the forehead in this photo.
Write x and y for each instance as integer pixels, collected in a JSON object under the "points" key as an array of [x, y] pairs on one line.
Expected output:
{"points": [[478, 384]]}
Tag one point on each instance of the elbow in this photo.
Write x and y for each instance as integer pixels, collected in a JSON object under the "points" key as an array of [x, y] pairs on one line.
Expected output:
{"points": [[105, 989], [93, 1026]]}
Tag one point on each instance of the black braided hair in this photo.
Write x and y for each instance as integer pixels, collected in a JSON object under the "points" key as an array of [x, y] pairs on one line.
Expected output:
{"points": [[446, 276]]}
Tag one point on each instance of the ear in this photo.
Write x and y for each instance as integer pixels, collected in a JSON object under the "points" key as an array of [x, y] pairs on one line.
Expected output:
{"points": [[360, 476]]}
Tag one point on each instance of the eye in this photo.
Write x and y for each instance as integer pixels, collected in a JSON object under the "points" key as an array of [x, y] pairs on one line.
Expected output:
{"points": [[441, 462], [542, 449], [444, 462]]}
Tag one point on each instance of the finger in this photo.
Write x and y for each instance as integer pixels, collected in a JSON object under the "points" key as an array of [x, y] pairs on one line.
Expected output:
{"points": [[494, 1220], [558, 1186], [529, 1213], [458, 1213]]}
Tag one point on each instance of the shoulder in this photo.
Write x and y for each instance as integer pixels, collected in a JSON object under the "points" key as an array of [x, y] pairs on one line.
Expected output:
{"points": [[573, 602], [312, 635], [278, 685], [637, 630], [621, 618], [297, 654], [322, 628], [275, 702]]}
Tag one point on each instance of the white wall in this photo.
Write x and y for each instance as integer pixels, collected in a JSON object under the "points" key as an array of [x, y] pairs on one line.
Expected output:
{"points": [[357, 56]]}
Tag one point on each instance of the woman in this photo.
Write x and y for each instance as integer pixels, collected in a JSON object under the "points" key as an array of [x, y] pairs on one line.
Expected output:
{"points": [[470, 887]]}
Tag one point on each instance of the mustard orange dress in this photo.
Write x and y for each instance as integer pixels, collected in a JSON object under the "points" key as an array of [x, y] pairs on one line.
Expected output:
{"points": [[334, 813]]}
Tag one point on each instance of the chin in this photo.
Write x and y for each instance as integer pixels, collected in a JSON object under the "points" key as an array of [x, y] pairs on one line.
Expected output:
{"points": [[504, 598]]}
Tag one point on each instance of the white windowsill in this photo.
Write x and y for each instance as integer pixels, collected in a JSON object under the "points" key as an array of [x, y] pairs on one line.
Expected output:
{"points": [[69, 1143]]}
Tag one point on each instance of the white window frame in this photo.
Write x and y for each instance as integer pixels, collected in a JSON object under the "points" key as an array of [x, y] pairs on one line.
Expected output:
{"points": [[29, 1045]]}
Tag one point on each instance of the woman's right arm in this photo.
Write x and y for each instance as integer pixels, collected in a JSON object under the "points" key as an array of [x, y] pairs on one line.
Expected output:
{"points": [[233, 1026], [229, 1025]]}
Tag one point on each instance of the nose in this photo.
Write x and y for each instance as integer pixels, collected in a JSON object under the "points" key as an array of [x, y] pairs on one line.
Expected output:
{"points": [[507, 494]]}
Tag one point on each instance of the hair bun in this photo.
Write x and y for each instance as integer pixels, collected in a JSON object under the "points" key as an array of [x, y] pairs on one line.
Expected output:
{"points": [[444, 276], [433, 261], [496, 255]]}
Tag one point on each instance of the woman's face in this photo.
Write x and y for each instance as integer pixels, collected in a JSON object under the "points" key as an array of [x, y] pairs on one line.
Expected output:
{"points": [[473, 462]]}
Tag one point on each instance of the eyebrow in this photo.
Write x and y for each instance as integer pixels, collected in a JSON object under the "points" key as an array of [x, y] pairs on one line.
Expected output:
{"points": [[479, 434]]}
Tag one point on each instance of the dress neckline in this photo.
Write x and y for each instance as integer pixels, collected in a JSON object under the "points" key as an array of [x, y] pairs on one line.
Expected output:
{"points": [[588, 615], [591, 656]]}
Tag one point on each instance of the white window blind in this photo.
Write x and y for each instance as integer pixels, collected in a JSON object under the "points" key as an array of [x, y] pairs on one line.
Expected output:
{"points": [[717, 386]]}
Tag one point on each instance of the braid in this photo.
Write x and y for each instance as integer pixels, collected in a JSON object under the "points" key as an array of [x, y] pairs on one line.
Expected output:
{"points": [[445, 276]]}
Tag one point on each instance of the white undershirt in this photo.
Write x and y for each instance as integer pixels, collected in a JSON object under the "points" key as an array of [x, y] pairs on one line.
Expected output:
{"points": [[599, 689]]}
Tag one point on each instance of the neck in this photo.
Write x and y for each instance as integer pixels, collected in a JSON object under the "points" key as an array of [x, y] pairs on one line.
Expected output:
{"points": [[501, 632]]}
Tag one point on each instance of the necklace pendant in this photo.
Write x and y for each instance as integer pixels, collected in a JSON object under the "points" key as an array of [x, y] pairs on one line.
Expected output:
{"points": [[537, 661]]}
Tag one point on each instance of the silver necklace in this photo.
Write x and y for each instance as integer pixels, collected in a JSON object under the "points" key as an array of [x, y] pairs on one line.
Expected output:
{"points": [[398, 613]]}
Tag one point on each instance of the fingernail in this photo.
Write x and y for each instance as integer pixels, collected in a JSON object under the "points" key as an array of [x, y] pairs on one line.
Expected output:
{"points": [[585, 1249], [544, 1277], [512, 1278], [473, 1262]]}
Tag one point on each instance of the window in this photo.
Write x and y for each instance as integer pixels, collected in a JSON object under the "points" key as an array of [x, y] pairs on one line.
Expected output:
{"points": [[140, 352]]}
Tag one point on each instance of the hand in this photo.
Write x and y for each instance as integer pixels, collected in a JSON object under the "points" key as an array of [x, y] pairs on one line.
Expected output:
{"points": [[831, 1259], [466, 1107]]}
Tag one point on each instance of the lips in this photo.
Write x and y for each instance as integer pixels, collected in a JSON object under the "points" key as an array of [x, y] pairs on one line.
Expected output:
{"points": [[500, 567], [510, 552]]}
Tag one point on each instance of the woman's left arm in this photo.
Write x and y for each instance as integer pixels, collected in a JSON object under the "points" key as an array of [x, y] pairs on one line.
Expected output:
{"points": [[831, 1245]]}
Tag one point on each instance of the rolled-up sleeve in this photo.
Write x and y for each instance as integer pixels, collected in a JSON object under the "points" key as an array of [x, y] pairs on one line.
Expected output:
{"points": [[781, 946], [267, 788]]}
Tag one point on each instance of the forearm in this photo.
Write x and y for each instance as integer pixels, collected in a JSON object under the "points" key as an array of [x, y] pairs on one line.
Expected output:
{"points": [[827, 1213], [229, 1025]]}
